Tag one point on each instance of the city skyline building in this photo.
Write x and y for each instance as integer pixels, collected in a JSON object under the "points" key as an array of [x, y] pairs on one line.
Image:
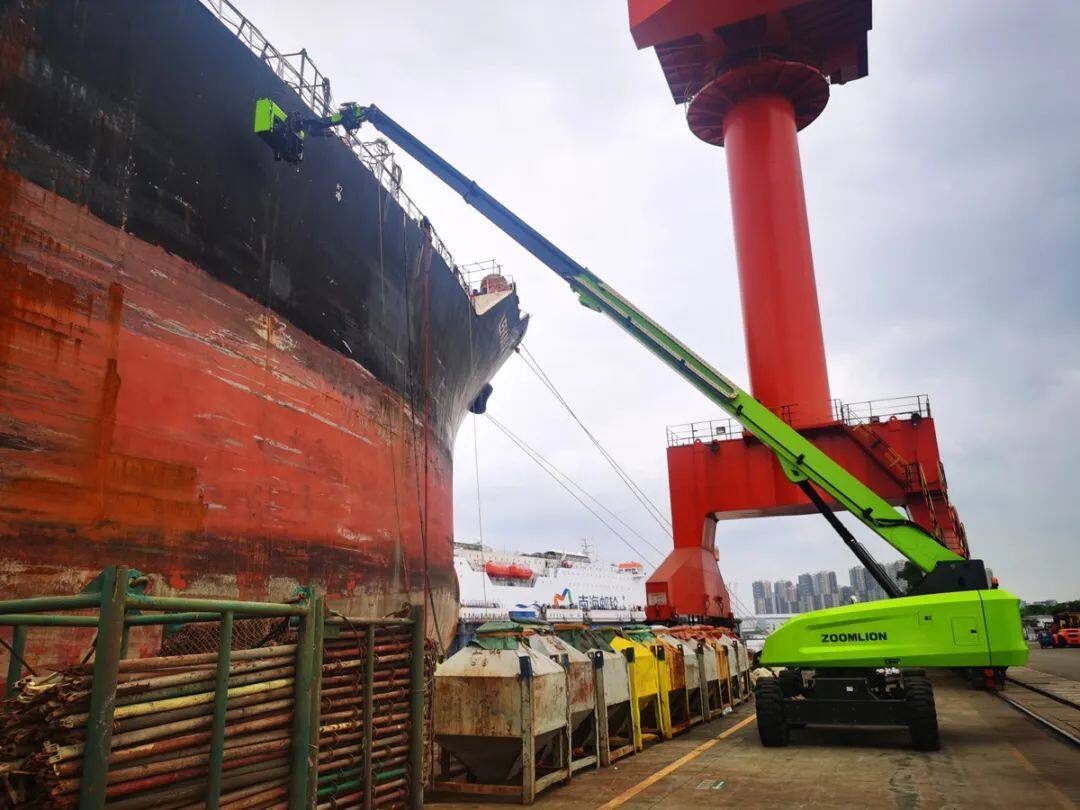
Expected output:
{"points": [[762, 592], [783, 596], [821, 589]]}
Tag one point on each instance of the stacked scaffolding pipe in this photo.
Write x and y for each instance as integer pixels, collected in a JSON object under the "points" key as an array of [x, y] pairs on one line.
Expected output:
{"points": [[335, 717], [163, 728], [364, 741]]}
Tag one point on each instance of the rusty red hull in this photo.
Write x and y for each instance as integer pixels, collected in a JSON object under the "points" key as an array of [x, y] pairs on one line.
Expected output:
{"points": [[155, 411], [154, 416]]}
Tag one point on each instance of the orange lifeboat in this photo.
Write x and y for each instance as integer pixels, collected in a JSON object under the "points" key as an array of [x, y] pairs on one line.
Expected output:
{"points": [[508, 571]]}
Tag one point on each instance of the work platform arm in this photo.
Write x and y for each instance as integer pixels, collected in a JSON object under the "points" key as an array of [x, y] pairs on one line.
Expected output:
{"points": [[801, 460]]}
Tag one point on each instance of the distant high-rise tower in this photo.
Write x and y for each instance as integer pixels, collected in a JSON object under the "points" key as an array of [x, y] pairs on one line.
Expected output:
{"points": [[805, 587], [825, 582], [784, 596], [762, 591], [859, 577]]}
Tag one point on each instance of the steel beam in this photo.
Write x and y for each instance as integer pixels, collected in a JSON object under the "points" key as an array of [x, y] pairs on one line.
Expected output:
{"points": [[15, 662], [302, 686], [99, 726], [417, 687], [221, 703]]}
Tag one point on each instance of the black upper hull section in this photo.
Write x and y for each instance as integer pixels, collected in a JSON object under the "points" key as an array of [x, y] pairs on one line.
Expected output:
{"points": [[141, 110]]}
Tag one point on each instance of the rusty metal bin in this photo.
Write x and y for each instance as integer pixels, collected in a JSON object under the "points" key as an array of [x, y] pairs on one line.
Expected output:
{"points": [[581, 686], [502, 717], [616, 709]]}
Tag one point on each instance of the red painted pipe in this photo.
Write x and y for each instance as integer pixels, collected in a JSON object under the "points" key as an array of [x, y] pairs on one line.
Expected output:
{"points": [[784, 346]]}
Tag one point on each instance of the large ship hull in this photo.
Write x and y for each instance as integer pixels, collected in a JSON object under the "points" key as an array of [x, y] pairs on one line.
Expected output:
{"points": [[230, 375]]}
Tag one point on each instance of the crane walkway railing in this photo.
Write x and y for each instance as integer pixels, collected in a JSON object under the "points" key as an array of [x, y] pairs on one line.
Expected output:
{"points": [[851, 414]]}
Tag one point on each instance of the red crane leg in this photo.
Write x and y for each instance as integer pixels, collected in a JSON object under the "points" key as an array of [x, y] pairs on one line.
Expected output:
{"points": [[784, 344]]}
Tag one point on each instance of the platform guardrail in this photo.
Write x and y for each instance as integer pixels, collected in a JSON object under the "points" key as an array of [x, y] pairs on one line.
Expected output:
{"points": [[916, 406]]}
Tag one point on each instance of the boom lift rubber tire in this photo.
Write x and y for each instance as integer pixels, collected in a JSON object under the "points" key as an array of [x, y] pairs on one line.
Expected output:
{"points": [[922, 714], [769, 701]]}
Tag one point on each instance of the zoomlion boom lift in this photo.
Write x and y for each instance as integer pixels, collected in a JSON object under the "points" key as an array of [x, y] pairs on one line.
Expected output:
{"points": [[849, 665]]}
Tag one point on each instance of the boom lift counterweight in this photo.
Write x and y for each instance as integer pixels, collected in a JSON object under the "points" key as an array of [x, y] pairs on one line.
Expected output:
{"points": [[845, 663]]}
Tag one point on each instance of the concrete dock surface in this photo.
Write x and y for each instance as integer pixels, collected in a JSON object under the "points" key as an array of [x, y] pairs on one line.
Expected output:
{"points": [[1064, 663], [992, 756]]}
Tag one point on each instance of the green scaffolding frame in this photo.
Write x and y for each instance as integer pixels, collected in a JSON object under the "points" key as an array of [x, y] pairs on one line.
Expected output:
{"points": [[114, 595]]}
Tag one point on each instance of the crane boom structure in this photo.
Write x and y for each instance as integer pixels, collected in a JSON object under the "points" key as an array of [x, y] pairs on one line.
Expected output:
{"points": [[799, 458]]}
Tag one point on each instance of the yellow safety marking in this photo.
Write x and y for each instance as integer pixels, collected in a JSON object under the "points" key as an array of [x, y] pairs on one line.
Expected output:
{"points": [[623, 798], [1063, 800]]}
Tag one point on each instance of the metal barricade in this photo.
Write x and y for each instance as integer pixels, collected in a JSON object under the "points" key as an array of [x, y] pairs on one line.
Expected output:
{"points": [[113, 603]]}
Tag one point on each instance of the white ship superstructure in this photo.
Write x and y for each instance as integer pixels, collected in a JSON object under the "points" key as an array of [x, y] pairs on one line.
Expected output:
{"points": [[556, 585]]}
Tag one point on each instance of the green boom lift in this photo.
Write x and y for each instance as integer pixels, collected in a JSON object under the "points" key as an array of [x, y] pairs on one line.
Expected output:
{"points": [[859, 664]]}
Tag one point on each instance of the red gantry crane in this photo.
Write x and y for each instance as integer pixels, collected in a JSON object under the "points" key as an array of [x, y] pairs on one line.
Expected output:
{"points": [[751, 74]]}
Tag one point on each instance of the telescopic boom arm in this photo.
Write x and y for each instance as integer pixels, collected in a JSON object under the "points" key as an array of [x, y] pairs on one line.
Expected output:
{"points": [[802, 462]]}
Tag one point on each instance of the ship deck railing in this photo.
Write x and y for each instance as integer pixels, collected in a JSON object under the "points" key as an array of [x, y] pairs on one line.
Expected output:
{"points": [[312, 86]]}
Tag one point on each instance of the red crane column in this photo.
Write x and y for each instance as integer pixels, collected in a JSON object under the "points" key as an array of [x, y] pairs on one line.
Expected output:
{"points": [[752, 73], [784, 345], [753, 108]]}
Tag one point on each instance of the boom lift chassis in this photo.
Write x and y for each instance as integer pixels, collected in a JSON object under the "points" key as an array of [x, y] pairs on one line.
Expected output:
{"points": [[853, 665]]}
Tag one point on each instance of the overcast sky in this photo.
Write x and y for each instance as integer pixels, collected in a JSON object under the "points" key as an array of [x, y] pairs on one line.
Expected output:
{"points": [[943, 197]]}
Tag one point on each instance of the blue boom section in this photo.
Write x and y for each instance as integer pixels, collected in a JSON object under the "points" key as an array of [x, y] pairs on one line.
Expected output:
{"points": [[505, 219]]}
